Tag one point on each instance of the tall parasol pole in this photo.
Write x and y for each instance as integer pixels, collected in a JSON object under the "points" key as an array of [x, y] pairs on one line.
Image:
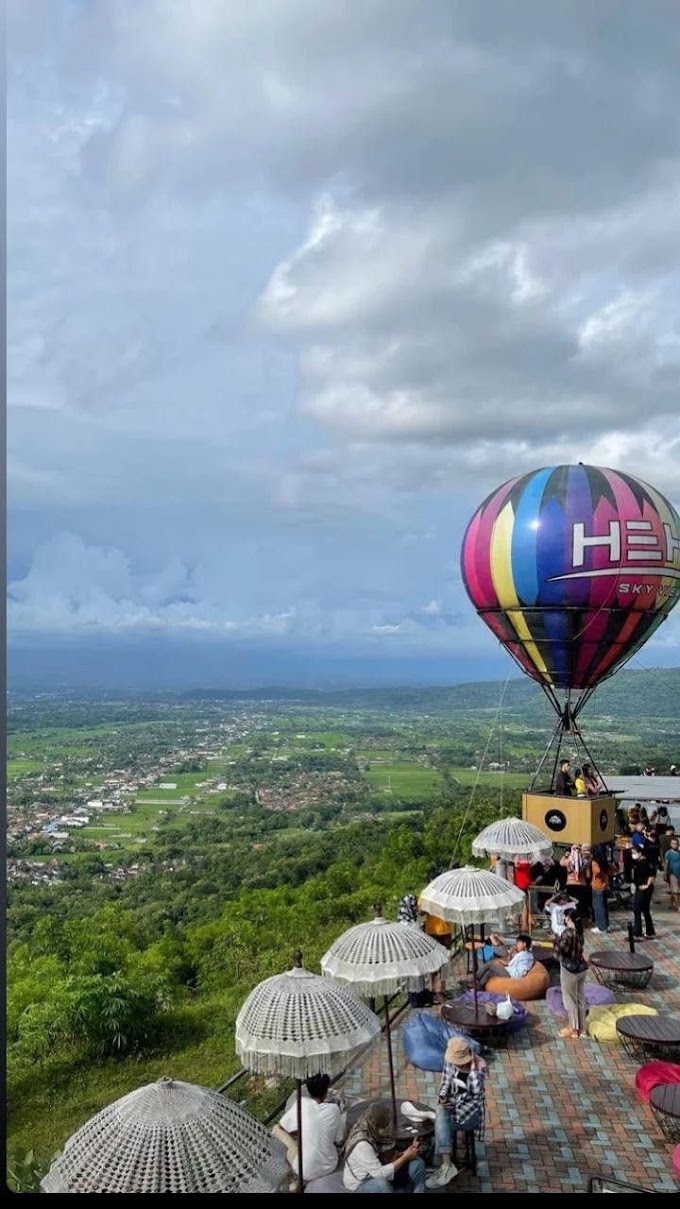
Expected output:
{"points": [[379, 958], [299, 1137], [474, 965], [390, 1060], [298, 1024]]}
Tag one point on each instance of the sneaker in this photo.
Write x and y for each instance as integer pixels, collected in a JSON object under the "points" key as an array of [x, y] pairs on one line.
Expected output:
{"points": [[597, 930], [442, 1177]]}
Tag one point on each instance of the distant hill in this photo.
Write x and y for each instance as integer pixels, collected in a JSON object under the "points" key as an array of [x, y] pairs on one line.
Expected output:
{"points": [[654, 693]]}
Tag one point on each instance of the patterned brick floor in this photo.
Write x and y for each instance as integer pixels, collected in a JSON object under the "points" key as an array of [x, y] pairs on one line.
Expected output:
{"points": [[559, 1111]]}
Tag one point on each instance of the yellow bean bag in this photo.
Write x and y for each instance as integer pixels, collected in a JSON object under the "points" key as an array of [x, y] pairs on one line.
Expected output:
{"points": [[602, 1020], [532, 986]]}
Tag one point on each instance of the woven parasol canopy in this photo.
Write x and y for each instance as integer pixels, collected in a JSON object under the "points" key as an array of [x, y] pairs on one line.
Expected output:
{"points": [[299, 1024], [512, 839], [470, 896], [378, 958], [170, 1136]]}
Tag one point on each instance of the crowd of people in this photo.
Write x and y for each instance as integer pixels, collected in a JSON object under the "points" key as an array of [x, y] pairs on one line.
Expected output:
{"points": [[581, 882], [585, 782], [367, 1157]]}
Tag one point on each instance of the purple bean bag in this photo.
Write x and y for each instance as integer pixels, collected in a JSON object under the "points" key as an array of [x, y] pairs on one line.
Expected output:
{"points": [[494, 997], [425, 1039], [596, 996]]}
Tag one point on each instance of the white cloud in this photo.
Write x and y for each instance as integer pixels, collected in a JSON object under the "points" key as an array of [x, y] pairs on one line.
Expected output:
{"points": [[289, 293]]}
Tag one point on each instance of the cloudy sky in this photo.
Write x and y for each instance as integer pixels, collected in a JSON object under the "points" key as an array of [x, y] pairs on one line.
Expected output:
{"points": [[293, 284]]}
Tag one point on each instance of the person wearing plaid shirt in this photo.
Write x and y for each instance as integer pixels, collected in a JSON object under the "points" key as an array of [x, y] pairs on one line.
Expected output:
{"points": [[460, 1105]]}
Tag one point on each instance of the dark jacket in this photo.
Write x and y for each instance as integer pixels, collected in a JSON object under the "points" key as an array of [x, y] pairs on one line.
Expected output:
{"points": [[642, 871], [569, 950], [564, 784]]}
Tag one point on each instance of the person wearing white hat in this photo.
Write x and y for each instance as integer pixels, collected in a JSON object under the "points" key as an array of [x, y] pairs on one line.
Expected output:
{"points": [[460, 1105]]}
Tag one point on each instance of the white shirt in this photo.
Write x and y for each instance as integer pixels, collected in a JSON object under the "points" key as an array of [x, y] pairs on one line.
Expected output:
{"points": [[363, 1163], [557, 913], [520, 964], [322, 1127]]}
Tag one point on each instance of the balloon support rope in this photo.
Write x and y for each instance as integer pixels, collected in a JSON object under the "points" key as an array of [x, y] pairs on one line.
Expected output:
{"points": [[473, 790]]}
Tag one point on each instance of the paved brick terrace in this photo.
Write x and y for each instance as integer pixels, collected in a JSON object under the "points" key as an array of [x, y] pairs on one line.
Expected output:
{"points": [[559, 1111]]}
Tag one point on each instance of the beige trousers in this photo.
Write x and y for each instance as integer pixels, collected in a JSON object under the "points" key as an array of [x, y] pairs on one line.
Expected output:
{"points": [[574, 996]]}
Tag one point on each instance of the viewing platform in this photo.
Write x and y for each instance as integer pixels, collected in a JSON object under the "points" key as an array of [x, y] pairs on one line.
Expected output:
{"points": [[559, 1111]]}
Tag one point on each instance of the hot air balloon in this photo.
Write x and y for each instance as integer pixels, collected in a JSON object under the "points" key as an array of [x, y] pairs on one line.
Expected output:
{"points": [[573, 568]]}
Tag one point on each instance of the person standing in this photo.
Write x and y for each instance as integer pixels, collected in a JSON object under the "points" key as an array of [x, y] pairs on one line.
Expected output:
{"points": [[602, 869], [577, 864], [409, 913], [643, 881], [580, 783], [672, 872], [558, 907], [564, 783], [573, 971], [666, 840], [594, 786], [365, 1169], [652, 852]]}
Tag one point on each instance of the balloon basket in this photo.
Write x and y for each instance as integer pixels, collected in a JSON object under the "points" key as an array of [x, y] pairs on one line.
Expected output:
{"points": [[571, 820]]}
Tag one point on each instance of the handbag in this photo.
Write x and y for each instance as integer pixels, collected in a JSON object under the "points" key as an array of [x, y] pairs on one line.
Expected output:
{"points": [[505, 1010], [574, 967]]}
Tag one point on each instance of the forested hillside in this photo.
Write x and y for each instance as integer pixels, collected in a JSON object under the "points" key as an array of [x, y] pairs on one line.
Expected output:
{"points": [[110, 988]]}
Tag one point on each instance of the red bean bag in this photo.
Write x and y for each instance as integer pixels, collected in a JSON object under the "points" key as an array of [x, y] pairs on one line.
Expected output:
{"points": [[652, 1074]]}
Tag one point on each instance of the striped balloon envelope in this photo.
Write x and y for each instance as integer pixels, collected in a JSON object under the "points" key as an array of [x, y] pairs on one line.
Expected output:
{"points": [[573, 568]]}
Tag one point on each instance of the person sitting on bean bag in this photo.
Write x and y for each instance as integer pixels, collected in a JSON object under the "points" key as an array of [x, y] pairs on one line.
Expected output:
{"points": [[519, 961]]}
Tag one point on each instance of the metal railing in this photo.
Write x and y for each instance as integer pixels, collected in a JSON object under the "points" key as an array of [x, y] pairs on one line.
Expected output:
{"points": [[599, 1183]]}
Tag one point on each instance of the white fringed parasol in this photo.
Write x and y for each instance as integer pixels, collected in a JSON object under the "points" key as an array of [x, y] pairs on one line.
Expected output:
{"points": [[378, 958], [299, 1024], [512, 839], [170, 1136], [470, 896]]}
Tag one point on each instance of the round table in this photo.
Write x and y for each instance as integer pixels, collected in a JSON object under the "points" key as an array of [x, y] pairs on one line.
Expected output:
{"points": [[627, 969], [646, 1037], [476, 1022], [665, 1104], [405, 1130]]}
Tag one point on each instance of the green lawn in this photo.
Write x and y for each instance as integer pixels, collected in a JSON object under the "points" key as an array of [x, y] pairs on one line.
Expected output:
{"points": [[510, 780], [187, 786], [21, 766], [403, 780]]}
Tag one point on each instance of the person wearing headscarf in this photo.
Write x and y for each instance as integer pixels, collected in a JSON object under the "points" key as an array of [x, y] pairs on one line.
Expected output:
{"points": [[461, 1105], [365, 1170]]}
